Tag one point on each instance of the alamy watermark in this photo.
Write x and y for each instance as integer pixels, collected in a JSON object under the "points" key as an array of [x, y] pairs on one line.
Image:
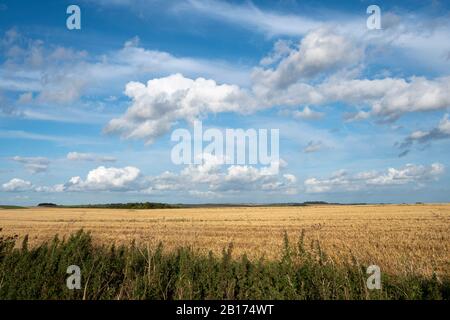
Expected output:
{"points": [[74, 280], [374, 20], [374, 280], [235, 146], [73, 21]]}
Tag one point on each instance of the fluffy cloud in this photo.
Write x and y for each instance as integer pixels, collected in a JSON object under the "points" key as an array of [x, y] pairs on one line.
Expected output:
{"points": [[281, 49], [163, 101], [319, 53], [419, 94], [78, 156], [212, 176], [17, 185], [409, 174], [343, 181], [48, 74], [307, 114], [20, 185], [159, 104], [324, 68], [387, 98], [106, 179], [335, 62], [212, 179], [33, 164]]}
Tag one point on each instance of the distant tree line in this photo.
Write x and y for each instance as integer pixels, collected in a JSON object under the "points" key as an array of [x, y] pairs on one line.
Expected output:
{"points": [[131, 205], [160, 205]]}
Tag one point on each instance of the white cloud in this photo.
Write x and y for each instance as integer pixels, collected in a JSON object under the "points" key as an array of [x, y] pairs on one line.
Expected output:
{"points": [[322, 69], [55, 75], [281, 49], [79, 156], [314, 146], [406, 35], [33, 164], [444, 125], [53, 189], [342, 181], [162, 102], [307, 114], [133, 42], [441, 131], [320, 52], [25, 98], [17, 185], [211, 178], [418, 94], [106, 179], [408, 174], [290, 177], [252, 17], [59, 139], [387, 98], [204, 194]]}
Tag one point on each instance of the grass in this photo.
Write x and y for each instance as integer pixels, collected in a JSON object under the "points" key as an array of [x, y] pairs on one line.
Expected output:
{"points": [[137, 272]]}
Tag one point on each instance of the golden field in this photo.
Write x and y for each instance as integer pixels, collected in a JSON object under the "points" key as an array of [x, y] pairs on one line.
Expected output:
{"points": [[398, 238]]}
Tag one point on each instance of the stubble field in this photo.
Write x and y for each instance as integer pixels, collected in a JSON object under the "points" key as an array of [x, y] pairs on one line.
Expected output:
{"points": [[401, 239]]}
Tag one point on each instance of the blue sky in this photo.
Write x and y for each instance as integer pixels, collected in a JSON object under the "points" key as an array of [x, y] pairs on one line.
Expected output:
{"points": [[86, 115]]}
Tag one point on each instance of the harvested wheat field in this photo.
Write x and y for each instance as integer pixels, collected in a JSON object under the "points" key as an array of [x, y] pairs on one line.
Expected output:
{"points": [[399, 238]]}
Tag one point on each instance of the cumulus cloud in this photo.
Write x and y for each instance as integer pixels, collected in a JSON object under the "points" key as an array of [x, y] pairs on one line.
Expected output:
{"points": [[401, 96], [307, 114], [281, 49], [17, 185], [106, 179], [163, 101], [33, 164], [47, 74], [323, 68], [211, 178], [320, 52], [157, 106], [326, 67], [79, 156], [387, 98], [20, 185], [342, 181]]}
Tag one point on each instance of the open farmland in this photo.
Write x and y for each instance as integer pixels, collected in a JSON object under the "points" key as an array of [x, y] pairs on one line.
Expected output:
{"points": [[399, 238]]}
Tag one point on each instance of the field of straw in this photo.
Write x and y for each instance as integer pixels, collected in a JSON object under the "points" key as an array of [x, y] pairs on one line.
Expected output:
{"points": [[399, 238]]}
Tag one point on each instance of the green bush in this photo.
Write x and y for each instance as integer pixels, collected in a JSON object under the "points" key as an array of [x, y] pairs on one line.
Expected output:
{"points": [[131, 272]]}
